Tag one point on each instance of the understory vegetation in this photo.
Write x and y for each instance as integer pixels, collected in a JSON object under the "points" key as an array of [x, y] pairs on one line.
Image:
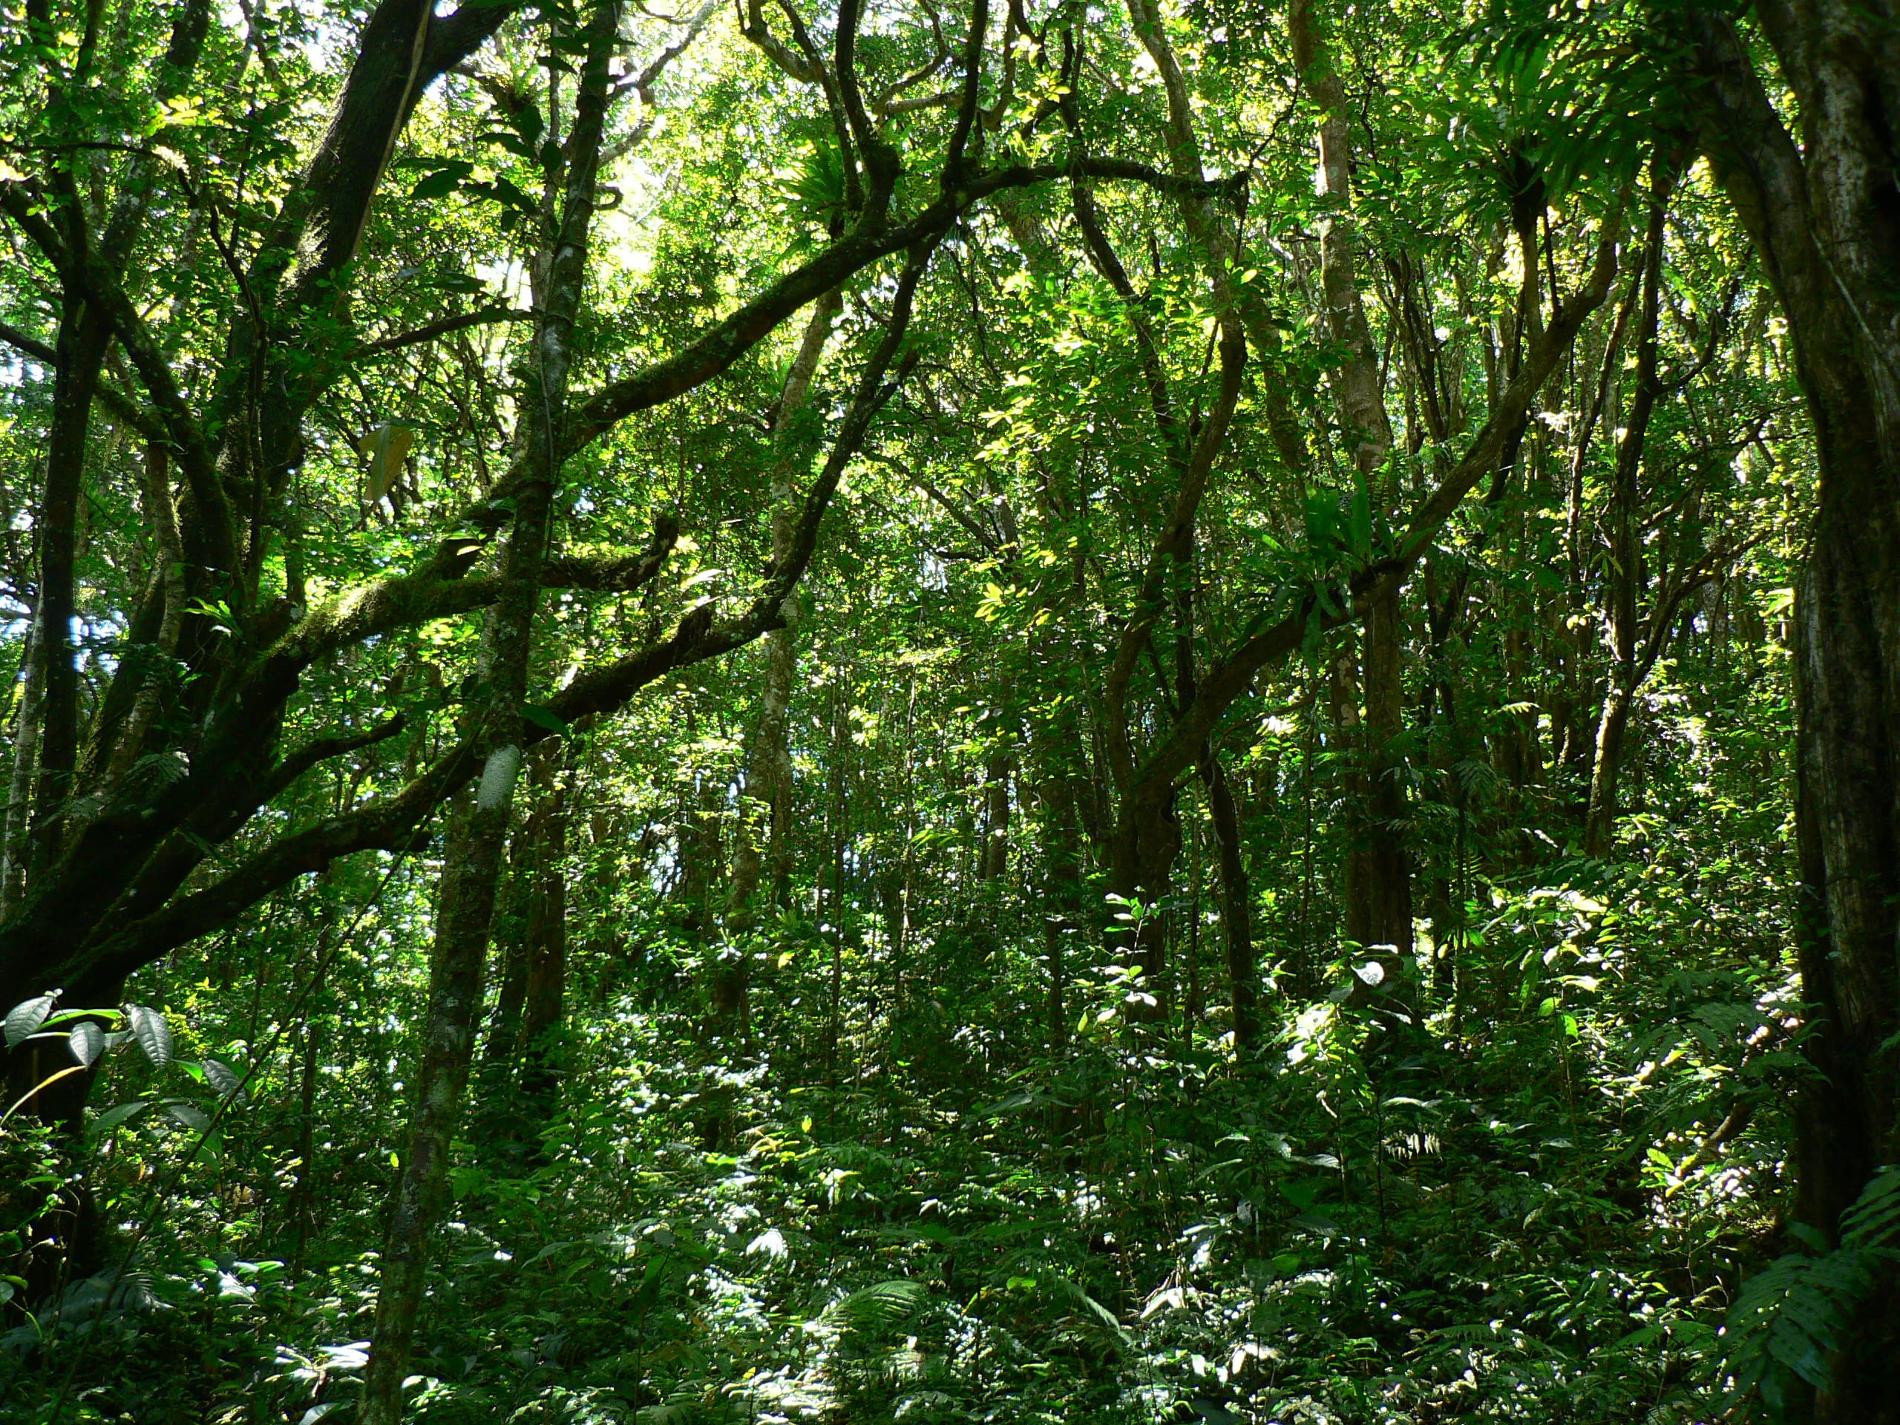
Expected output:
{"points": [[866, 712]]}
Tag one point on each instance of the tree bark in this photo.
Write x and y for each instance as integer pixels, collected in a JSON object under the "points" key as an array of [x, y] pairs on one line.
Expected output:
{"points": [[1625, 579], [1378, 871], [768, 778], [998, 767], [544, 935], [1236, 903], [25, 757], [479, 830], [1825, 217], [82, 350]]}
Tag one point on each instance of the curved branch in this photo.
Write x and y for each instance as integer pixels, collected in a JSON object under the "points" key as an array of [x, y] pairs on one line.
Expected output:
{"points": [[484, 317], [731, 337], [972, 96], [322, 749], [1235, 673], [407, 599]]}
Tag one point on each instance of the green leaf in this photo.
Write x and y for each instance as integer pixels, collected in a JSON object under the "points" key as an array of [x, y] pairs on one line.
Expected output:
{"points": [[117, 1114], [509, 140], [1090, 1307], [190, 1115], [386, 446], [1322, 524], [222, 1078], [544, 718], [26, 1017], [882, 1305], [87, 1041], [444, 181], [153, 1034]]}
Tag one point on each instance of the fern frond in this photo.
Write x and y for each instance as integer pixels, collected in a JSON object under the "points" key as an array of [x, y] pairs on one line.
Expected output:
{"points": [[1873, 1222], [1796, 1314], [882, 1306]]}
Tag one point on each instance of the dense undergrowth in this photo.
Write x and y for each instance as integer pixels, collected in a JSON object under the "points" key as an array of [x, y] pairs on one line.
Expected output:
{"points": [[1533, 1214], [860, 712]]}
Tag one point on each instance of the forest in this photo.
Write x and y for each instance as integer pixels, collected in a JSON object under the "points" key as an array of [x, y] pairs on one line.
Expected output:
{"points": [[732, 712]]}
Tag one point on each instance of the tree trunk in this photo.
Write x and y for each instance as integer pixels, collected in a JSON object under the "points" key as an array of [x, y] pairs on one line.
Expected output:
{"points": [[768, 778], [1147, 840], [26, 751], [1236, 903], [509, 932], [1826, 219], [998, 767], [1378, 871], [1059, 790], [1626, 578], [82, 350], [302, 1207], [472, 858], [840, 841], [1384, 890], [544, 937], [478, 831], [1599, 829]]}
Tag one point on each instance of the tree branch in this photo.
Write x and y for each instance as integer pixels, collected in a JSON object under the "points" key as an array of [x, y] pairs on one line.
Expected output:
{"points": [[1236, 672], [731, 337], [444, 327]]}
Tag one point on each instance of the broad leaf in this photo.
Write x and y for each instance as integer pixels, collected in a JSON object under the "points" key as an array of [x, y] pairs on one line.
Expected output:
{"points": [[154, 1035], [386, 447], [87, 1041], [26, 1017]]}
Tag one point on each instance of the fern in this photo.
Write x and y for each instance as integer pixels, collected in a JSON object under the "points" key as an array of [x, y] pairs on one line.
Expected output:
{"points": [[1873, 1223], [1795, 1315], [882, 1306], [1085, 1307]]}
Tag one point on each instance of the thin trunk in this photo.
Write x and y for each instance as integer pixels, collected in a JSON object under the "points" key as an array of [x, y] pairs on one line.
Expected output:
{"points": [[26, 749], [1191, 1006], [702, 844], [1141, 860], [510, 935], [1343, 694], [479, 828], [1625, 579], [302, 1208], [1384, 889], [544, 937], [1236, 903], [997, 769], [82, 349], [162, 517], [768, 778], [1378, 881], [1056, 746], [840, 840]]}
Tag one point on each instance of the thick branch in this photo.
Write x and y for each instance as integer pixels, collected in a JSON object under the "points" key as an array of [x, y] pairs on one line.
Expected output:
{"points": [[734, 335]]}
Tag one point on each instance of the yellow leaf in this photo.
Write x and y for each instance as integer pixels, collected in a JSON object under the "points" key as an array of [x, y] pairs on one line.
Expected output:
{"points": [[386, 447]]}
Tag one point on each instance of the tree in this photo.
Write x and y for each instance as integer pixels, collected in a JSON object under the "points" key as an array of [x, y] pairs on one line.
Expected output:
{"points": [[1821, 216], [1045, 675], [252, 629]]}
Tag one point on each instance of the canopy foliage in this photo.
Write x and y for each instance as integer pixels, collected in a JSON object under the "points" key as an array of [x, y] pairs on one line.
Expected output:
{"points": [[862, 711]]}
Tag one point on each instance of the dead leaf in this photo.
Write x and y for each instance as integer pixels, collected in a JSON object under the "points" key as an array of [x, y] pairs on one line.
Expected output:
{"points": [[386, 446]]}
